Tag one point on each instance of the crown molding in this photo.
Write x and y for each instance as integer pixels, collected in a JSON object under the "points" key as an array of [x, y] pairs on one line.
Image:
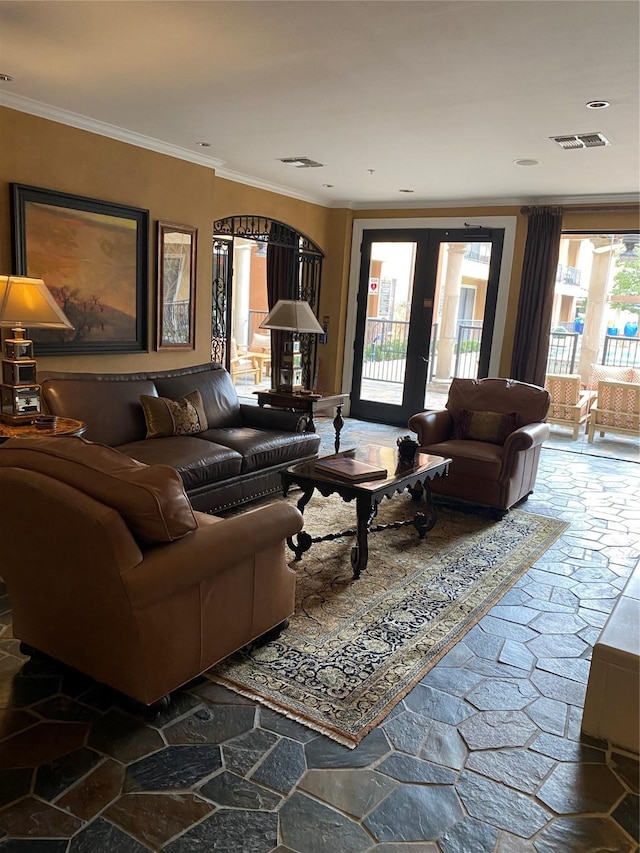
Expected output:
{"points": [[258, 183], [26, 105]]}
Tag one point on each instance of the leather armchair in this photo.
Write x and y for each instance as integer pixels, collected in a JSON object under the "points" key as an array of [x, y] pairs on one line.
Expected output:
{"points": [[494, 471], [110, 570]]}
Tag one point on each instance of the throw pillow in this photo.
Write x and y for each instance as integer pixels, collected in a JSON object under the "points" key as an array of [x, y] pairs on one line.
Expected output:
{"points": [[493, 427], [166, 417]]}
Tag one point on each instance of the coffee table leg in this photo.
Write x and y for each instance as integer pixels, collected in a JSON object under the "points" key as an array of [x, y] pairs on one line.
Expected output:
{"points": [[338, 423], [423, 522], [360, 552], [302, 541]]}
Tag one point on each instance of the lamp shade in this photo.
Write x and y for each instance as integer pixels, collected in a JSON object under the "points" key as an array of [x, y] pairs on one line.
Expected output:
{"points": [[28, 302], [292, 315]]}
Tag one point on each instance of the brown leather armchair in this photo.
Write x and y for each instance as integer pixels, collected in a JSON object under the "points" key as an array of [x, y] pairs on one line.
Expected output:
{"points": [[493, 430], [110, 570]]}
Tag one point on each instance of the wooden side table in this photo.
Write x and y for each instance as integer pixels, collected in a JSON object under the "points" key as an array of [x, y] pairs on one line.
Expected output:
{"points": [[309, 404], [63, 426]]}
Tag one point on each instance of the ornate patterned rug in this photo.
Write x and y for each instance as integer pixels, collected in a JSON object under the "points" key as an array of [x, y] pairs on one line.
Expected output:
{"points": [[353, 649]]}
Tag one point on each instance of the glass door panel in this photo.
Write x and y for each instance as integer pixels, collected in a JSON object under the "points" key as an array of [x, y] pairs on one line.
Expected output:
{"points": [[426, 311], [389, 295]]}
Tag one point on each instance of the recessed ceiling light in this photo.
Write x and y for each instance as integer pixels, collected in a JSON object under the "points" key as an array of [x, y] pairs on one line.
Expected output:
{"points": [[406, 191], [5, 78], [597, 105], [525, 161], [204, 144]]}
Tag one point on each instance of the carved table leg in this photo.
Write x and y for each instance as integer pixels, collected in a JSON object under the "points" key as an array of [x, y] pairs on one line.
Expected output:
{"points": [[338, 423], [423, 522], [360, 552], [302, 541]]}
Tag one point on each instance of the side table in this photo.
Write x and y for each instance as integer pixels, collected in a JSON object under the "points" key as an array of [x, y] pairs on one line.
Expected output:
{"points": [[63, 426], [309, 404]]}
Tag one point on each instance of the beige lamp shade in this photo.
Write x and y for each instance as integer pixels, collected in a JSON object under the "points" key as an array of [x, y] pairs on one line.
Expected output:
{"points": [[27, 302], [292, 315]]}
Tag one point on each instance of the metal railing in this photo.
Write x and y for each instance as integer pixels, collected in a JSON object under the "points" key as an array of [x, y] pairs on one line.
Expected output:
{"points": [[563, 351], [621, 352]]}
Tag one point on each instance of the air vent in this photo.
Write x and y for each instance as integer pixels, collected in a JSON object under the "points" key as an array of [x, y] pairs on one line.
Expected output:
{"points": [[581, 140], [300, 162]]}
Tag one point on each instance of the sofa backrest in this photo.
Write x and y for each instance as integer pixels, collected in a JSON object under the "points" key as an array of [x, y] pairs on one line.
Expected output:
{"points": [[150, 498], [109, 403], [529, 402]]}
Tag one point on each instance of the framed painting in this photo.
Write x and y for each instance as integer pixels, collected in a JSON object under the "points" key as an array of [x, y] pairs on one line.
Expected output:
{"points": [[92, 255], [177, 254]]}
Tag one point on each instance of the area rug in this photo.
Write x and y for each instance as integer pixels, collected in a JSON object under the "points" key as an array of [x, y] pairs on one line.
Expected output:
{"points": [[354, 649]]}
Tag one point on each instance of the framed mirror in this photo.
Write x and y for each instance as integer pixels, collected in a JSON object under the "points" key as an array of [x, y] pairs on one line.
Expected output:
{"points": [[176, 286]]}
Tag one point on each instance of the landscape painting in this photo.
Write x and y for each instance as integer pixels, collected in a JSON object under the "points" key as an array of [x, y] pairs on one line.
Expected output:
{"points": [[92, 255]]}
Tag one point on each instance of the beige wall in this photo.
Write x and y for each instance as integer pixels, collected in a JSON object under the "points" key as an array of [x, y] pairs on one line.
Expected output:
{"points": [[46, 154]]}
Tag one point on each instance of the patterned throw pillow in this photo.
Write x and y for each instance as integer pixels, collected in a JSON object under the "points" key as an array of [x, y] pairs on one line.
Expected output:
{"points": [[493, 427], [166, 417]]}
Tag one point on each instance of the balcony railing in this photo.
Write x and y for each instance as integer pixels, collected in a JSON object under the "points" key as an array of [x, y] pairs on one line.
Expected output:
{"points": [[567, 275]]}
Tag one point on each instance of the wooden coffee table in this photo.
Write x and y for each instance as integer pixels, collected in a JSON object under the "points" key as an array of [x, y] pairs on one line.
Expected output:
{"points": [[412, 476]]}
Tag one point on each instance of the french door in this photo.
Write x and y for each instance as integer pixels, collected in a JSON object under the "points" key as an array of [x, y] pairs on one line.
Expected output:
{"points": [[425, 313]]}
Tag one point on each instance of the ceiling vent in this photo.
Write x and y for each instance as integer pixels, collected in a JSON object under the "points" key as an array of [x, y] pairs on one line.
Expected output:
{"points": [[300, 162], [581, 140]]}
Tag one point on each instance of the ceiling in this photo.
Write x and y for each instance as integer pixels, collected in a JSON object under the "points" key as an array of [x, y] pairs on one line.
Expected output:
{"points": [[435, 97]]}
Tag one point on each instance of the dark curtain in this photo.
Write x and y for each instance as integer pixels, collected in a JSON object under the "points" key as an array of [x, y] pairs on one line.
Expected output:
{"points": [[281, 264], [533, 322]]}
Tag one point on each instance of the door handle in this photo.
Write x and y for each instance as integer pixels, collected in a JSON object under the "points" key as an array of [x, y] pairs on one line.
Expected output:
{"points": [[426, 360]]}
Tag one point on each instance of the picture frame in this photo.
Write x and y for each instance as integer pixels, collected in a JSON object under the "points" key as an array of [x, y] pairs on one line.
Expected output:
{"points": [[93, 256], [176, 288]]}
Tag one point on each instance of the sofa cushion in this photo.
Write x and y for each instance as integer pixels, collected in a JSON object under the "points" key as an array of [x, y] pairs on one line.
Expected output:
{"points": [[198, 462], [219, 397], [261, 448], [165, 417], [499, 395], [608, 371], [493, 427], [150, 498], [109, 407]]}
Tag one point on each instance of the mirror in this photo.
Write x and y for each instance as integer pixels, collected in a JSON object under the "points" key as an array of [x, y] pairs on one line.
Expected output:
{"points": [[176, 286]]}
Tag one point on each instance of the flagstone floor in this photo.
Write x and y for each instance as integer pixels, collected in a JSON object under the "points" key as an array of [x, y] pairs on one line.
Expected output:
{"points": [[485, 754]]}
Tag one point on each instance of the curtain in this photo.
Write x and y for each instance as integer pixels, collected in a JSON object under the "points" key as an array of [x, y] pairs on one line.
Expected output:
{"points": [[533, 322], [281, 265]]}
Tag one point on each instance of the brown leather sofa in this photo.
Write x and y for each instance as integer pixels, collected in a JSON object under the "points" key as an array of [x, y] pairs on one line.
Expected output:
{"points": [[236, 459], [109, 569], [495, 462]]}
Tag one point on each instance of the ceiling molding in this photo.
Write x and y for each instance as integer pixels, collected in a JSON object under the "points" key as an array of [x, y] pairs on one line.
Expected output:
{"points": [[251, 181], [37, 108], [26, 105]]}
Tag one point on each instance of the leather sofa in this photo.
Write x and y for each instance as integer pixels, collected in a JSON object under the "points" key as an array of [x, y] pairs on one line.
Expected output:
{"points": [[110, 570], [237, 458], [494, 462]]}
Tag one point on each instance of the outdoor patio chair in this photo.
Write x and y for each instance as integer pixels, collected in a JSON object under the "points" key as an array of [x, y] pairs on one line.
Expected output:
{"points": [[617, 409], [570, 403], [242, 364]]}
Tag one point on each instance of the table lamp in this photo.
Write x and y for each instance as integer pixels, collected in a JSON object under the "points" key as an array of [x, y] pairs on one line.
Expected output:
{"points": [[291, 315], [24, 302]]}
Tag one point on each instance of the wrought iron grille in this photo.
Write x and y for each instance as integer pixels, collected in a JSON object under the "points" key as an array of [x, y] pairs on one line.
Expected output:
{"points": [[307, 285]]}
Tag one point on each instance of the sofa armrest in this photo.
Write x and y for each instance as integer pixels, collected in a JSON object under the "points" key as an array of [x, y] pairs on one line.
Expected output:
{"points": [[432, 427], [211, 549], [267, 418], [524, 438]]}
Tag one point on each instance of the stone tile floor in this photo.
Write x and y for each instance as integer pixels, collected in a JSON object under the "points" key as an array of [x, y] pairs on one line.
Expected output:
{"points": [[485, 754]]}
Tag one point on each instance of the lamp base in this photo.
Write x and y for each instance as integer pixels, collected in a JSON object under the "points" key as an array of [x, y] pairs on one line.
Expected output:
{"points": [[19, 404]]}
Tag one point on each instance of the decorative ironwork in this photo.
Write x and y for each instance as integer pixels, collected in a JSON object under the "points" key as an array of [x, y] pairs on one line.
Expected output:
{"points": [[265, 230], [307, 285], [222, 263]]}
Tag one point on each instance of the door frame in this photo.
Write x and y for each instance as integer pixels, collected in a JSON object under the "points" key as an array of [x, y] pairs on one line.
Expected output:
{"points": [[507, 223]]}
